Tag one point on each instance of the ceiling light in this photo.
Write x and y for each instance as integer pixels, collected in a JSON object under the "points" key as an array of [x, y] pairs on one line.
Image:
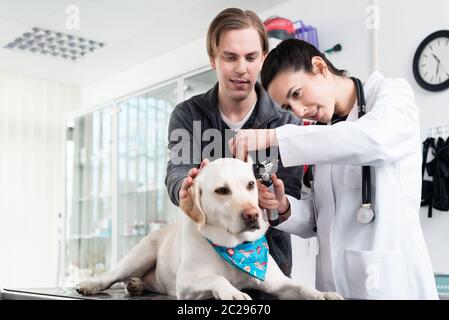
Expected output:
{"points": [[56, 44]]}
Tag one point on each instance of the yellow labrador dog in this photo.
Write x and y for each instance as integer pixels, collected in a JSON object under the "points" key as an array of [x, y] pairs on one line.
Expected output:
{"points": [[186, 259]]}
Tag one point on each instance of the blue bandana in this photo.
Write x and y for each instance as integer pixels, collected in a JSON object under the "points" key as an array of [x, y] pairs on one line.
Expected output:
{"points": [[250, 257]]}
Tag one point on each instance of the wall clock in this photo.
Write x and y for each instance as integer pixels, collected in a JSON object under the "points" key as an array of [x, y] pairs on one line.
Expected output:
{"points": [[431, 62]]}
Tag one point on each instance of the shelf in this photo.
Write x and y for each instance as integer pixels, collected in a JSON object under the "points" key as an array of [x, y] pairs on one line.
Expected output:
{"points": [[133, 236], [134, 193], [86, 237], [89, 165], [87, 198]]}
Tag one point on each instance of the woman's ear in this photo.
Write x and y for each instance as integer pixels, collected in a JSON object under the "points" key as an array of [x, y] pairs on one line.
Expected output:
{"points": [[319, 66]]}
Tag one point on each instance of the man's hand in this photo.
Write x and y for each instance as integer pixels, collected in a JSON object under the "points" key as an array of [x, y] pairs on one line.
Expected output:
{"points": [[268, 200], [188, 181], [250, 140]]}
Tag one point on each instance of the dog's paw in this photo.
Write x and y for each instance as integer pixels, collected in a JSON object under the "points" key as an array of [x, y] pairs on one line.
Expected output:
{"points": [[134, 287], [88, 288], [329, 296], [231, 294]]}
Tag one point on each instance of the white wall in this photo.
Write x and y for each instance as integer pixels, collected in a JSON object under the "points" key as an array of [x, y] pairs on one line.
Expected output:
{"points": [[31, 169], [403, 24]]}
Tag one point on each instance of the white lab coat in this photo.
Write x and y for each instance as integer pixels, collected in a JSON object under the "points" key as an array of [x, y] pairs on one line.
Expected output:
{"points": [[388, 258]]}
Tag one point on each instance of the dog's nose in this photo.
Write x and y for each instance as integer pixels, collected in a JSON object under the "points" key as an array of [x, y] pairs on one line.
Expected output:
{"points": [[250, 214]]}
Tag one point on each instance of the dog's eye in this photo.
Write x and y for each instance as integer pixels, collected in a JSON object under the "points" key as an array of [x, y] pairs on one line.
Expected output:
{"points": [[223, 191], [250, 185]]}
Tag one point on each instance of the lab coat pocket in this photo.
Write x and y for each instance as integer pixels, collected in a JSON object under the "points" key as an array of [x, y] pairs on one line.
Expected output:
{"points": [[377, 274]]}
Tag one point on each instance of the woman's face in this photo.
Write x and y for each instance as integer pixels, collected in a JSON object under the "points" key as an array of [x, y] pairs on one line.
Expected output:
{"points": [[308, 95]]}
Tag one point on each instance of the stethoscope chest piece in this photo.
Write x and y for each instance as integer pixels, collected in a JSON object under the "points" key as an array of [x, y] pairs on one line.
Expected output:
{"points": [[365, 214]]}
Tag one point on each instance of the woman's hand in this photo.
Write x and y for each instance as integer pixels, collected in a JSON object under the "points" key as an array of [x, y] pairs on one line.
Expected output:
{"points": [[268, 200], [250, 140]]}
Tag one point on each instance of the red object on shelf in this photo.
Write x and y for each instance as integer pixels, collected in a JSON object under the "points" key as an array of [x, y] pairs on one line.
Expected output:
{"points": [[280, 28]]}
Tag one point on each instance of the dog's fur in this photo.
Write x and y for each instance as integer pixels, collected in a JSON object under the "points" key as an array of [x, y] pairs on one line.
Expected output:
{"points": [[177, 260]]}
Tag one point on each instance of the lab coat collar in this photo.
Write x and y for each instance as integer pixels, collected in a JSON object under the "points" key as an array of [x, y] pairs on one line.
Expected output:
{"points": [[368, 88], [370, 85]]}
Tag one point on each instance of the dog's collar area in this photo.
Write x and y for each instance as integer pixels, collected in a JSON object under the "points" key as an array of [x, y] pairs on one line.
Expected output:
{"points": [[249, 257]]}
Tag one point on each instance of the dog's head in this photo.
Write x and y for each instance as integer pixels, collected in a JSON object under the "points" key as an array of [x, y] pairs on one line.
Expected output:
{"points": [[224, 200]]}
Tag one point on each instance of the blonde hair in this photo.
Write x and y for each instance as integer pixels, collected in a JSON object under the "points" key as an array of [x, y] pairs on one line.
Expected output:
{"points": [[234, 19]]}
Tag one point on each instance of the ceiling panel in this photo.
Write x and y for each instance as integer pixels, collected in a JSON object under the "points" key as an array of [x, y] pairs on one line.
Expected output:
{"points": [[27, 11]]}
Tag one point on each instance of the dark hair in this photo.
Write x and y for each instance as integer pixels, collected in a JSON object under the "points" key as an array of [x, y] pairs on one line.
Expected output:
{"points": [[234, 19], [292, 55]]}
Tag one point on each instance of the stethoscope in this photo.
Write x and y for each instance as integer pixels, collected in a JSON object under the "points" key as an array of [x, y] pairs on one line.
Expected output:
{"points": [[365, 214]]}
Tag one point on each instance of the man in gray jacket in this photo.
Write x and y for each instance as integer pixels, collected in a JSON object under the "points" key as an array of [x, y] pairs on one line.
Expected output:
{"points": [[201, 126]]}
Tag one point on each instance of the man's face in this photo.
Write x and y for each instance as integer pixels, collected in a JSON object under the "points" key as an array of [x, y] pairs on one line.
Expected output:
{"points": [[238, 61]]}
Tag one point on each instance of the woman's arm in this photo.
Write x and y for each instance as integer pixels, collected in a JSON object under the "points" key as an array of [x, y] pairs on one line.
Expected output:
{"points": [[387, 133]]}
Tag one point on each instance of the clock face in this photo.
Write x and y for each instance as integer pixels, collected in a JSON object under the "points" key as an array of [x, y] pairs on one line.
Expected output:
{"points": [[431, 62], [434, 61]]}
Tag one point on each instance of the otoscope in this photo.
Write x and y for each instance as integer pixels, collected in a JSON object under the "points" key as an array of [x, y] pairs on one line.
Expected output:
{"points": [[267, 169]]}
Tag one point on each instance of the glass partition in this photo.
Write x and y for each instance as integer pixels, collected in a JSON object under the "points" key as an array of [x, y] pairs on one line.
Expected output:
{"points": [[88, 195], [143, 203], [115, 167]]}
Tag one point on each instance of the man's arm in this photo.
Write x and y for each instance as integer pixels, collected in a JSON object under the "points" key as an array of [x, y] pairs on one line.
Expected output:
{"points": [[182, 154]]}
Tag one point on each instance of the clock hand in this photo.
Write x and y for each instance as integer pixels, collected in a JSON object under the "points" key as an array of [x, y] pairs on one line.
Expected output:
{"points": [[444, 70], [436, 58], [438, 65]]}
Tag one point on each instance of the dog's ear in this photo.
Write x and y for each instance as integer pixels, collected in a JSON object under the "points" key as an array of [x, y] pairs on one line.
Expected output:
{"points": [[192, 204]]}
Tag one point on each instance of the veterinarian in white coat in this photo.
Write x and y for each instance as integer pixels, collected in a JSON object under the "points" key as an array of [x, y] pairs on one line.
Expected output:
{"points": [[386, 258]]}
